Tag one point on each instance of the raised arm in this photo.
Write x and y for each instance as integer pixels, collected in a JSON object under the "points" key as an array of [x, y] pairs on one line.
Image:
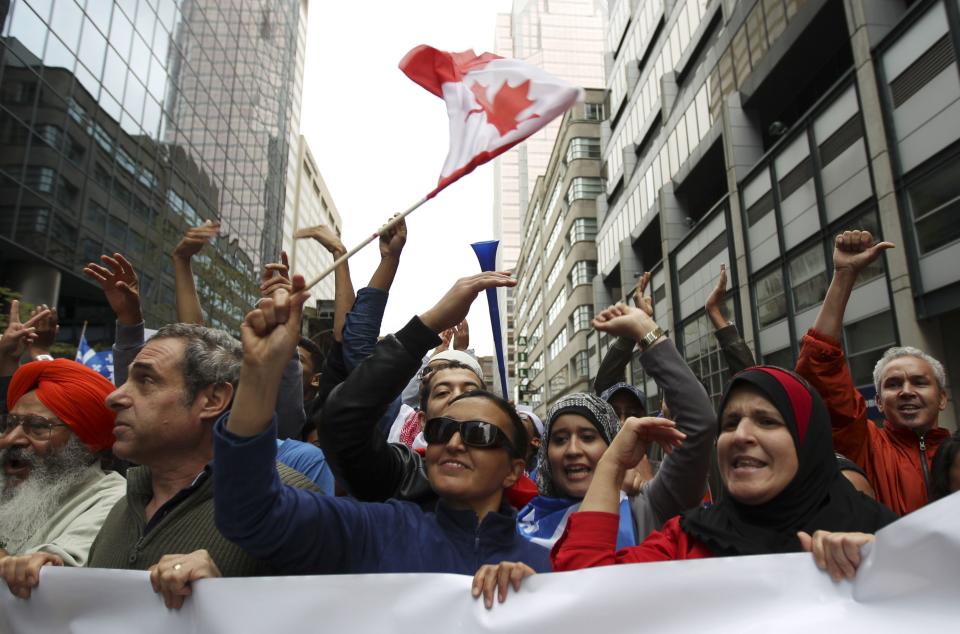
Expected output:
{"points": [[16, 338], [121, 286], [821, 359], [361, 327], [735, 350], [188, 302], [618, 355], [681, 481], [343, 296]]}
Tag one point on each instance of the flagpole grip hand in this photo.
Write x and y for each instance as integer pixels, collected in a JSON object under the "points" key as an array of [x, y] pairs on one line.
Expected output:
{"points": [[454, 306]]}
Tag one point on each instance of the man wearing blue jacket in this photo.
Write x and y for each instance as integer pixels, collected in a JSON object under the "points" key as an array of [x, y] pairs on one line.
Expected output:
{"points": [[472, 456]]}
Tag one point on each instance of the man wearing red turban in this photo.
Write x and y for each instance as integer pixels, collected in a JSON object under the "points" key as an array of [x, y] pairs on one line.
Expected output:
{"points": [[53, 494]]}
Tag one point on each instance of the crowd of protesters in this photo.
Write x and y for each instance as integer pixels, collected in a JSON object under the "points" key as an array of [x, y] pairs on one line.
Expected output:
{"points": [[261, 454]]}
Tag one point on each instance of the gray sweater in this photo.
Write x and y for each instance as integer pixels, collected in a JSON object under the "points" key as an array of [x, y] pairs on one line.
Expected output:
{"points": [[682, 478]]}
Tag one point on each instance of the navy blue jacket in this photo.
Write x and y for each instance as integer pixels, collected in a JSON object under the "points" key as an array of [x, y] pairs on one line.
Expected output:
{"points": [[302, 532]]}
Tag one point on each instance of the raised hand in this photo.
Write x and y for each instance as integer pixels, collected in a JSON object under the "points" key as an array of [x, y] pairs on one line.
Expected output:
{"points": [[625, 321], [195, 238], [270, 332], [16, 337], [715, 298], [276, 277], [635, 437], [120, 285], [461, 336], [325, 235], [445, 338], [454, 306], [644, 303], [854, 250], [46, 330], [837, 553], [497, 578], [173, 575], [393, 238]]}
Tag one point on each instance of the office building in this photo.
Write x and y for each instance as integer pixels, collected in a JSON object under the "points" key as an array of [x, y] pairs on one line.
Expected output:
{"points": [[125, 123], [750, 133], [566, 40], [558, 262]]}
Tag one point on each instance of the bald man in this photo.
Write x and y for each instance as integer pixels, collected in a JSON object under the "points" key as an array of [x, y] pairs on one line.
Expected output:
{"points": [[53, 494]]}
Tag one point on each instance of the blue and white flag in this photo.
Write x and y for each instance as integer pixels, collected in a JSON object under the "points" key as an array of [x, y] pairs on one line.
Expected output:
{"points": [[100, 362]]}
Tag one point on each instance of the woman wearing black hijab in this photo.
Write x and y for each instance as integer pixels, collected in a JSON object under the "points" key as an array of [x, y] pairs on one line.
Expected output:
{"points": [[781, 482]]}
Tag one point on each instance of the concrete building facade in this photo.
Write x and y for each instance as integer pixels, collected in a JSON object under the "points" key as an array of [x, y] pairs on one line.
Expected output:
{"points": [[564, 38], [749, 133], [558, 262]]}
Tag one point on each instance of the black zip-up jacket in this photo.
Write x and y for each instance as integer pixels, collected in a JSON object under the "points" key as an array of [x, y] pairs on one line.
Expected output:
{"points": [[362, 460]]}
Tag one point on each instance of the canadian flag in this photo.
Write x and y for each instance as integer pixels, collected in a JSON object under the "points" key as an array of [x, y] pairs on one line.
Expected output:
{"points": [[493, 103]]}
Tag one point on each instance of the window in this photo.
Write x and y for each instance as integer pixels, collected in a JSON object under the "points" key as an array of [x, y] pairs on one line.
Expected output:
{"points": [[867, 221], [584, 188], [581, 317], [558, 344], [935, 203], [582, 148], [558, 382], [537, 366], [557, 306], [555, 194], [866, 340], [782, 358], [808, 277], [554, 273], [581, 364], [771, 301], [583, 229], [583, 272], [535, 336], [41, 179], [535, 306], [554, 236], [593, 111]]}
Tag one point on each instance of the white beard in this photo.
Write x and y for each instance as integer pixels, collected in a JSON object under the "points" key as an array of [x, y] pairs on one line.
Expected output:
{"points": [[26, 506]]}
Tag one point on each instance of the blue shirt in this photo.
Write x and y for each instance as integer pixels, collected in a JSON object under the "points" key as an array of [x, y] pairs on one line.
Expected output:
{"points": [[304, 532], [309, 460]]}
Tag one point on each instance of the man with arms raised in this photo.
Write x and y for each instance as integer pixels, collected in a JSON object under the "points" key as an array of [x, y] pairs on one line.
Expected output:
{"points": [[911, 391]]}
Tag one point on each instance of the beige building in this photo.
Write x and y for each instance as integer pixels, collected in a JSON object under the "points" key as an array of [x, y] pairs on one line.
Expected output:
{"points": [[565, 39], [558, 262], [749, 134], [308, 204]]}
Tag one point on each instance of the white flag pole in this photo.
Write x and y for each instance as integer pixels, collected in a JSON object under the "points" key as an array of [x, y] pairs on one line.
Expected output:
{"points": [[346, 256], [83, 331]]}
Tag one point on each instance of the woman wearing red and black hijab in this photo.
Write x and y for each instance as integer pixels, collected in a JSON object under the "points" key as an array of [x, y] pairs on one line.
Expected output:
{"points": [[783, 491]]}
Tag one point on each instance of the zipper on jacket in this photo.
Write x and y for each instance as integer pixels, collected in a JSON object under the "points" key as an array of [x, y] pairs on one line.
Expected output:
{"points": [[923, 461]]}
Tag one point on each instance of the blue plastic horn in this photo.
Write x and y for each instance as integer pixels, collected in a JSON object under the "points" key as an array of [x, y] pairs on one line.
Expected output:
{"points": [[487, 255]]}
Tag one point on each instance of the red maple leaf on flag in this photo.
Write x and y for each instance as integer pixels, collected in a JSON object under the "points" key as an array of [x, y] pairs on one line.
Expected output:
{"points": [[507, 104]]}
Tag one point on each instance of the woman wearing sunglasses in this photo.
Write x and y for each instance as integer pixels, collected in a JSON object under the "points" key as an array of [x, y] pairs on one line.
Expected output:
{"points": [[472, 455]]}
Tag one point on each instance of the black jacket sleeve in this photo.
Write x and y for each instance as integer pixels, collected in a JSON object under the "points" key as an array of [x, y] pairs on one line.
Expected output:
{"points": [[361, 459], [735, 349], [613, 364]]}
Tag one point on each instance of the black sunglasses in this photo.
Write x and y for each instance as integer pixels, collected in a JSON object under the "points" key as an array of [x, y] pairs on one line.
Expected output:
{"points": [[474, 433]]}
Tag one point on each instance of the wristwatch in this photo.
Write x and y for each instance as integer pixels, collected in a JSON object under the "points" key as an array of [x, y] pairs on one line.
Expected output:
{"points": [[650, 337]]}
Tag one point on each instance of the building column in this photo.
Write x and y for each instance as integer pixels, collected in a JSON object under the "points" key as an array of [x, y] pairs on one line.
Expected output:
{"points": [[37, 283], [742, 148]]}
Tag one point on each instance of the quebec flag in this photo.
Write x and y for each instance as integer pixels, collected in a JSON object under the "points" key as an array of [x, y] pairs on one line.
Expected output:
{"points": [[100, 362]]}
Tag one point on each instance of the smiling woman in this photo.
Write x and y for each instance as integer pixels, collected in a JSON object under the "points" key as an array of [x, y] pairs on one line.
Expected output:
{"points": [[781, 484]]}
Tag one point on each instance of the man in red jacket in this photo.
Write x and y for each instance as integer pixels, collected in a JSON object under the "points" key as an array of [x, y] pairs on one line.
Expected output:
{"points": [[911, 391]]}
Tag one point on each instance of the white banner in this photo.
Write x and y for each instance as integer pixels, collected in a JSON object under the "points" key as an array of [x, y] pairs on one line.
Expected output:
{"points": [[908, 583]]}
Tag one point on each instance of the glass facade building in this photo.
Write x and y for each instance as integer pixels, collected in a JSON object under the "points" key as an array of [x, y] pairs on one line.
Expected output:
{"points": [[123, 123]]}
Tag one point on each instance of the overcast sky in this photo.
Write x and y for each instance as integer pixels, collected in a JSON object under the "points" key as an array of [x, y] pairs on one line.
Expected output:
{"points": [[380, 141]]}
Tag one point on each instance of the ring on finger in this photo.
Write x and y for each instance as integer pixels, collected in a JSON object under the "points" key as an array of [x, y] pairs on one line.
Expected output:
{"points": [[177, 566]]}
